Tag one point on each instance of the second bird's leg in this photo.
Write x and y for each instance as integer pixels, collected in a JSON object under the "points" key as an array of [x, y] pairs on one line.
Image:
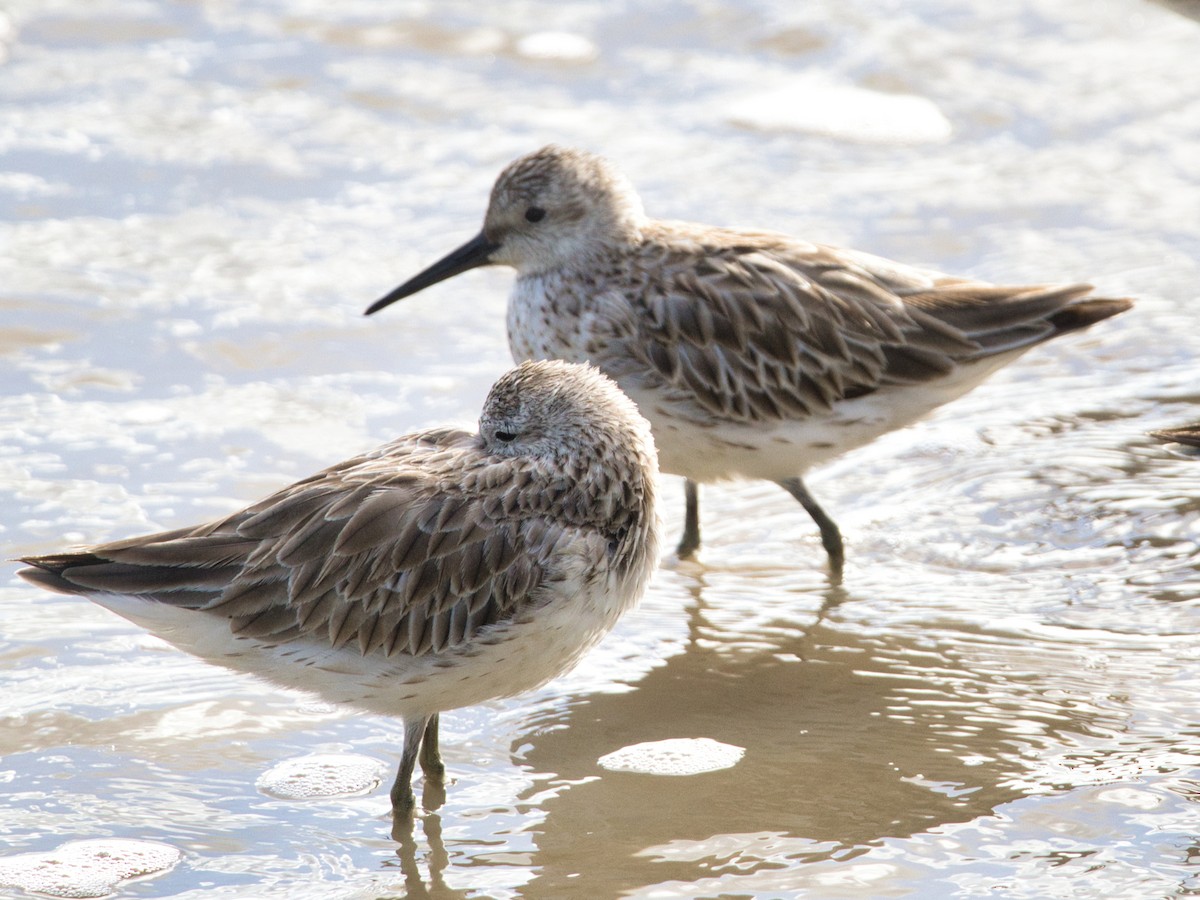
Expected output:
{"points": [[433, 794], [403, 801], [431, 755], [690, 542], [831, 537]]}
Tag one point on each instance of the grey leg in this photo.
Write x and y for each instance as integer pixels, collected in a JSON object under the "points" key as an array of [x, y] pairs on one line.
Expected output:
{"points": [[431, 755], [403, 802], [690, 542], [831, 537], [433, 793]]}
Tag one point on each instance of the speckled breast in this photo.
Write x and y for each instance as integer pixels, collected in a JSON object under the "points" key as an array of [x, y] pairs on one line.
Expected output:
{"points": [[547, 320]]}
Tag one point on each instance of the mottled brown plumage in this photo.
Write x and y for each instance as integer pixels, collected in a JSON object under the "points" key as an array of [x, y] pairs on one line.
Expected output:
{"points": [[439, 570], [753, 354]]}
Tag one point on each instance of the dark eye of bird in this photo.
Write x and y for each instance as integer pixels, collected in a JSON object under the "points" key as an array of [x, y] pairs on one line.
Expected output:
{"points": [[535, 214], [506, 436]]}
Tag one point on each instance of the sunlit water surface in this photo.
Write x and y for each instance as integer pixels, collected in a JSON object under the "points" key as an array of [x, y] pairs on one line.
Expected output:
{"points": [[197, 200]]}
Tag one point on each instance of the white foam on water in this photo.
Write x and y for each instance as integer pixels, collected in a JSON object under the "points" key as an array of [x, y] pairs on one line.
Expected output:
{"points": [[676, 756], [843, 111], [322, 775], [561, 46], [91, 868]]}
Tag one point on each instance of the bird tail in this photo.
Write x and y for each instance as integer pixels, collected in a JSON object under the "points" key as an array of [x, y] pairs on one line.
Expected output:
{"points": [[1089, 311], [1188, 434], [47, 571]]}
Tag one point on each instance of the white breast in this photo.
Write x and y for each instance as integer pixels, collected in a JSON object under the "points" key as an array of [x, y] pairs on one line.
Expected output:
{"points": [[548, 318]]}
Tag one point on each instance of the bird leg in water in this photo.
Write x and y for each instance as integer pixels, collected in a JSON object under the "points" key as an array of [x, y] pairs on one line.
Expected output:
{"points": [[403, 801], [831, 537], [431, 756], [690, 542]]}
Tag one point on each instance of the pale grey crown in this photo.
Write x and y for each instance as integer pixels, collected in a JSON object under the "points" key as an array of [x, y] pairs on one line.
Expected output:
{"points": [[552, 409], [560, 205]]}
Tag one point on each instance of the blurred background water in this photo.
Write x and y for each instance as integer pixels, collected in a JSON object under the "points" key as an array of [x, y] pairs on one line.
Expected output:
{"points": [[198, 199]]}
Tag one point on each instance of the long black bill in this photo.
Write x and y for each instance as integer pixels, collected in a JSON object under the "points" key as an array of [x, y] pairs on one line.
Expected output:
{"points": [[474, 253]]}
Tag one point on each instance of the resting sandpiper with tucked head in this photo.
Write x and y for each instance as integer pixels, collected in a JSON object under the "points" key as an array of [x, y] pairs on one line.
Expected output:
{"points": [[440, 570], [753, 354]]}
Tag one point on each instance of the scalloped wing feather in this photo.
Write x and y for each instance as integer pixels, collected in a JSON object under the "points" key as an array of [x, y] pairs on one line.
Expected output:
{"points": [[375, 551], [758, 327]]}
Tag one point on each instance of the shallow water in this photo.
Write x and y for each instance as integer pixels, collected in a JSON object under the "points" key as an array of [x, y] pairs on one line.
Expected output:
{"points": [[197, 200]]}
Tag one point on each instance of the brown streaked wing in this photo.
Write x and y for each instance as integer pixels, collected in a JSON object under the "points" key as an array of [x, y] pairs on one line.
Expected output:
{"points": [[381, 550], [775, 342], [761, 328], [412, 569]]}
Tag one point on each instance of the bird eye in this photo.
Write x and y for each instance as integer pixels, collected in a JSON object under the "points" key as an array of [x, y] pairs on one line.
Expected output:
{"points": [[506, 437], [535, 214]]}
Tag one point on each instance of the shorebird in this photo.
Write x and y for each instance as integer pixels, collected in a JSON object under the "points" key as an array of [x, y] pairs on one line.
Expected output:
{"points": [[753, 354], [440, 570]]}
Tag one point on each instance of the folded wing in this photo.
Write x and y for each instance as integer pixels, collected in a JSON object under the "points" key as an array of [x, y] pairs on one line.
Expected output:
{"points": [[383, 552], [760, 331]]}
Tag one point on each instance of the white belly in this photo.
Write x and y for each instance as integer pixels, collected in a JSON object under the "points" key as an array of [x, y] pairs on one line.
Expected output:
{"points": [[717, 450], [500, 661]]}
